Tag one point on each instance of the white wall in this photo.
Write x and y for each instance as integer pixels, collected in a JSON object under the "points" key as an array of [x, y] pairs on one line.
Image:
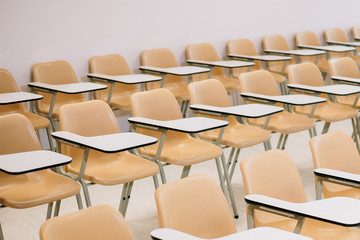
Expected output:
{"points": [[74, 30]]}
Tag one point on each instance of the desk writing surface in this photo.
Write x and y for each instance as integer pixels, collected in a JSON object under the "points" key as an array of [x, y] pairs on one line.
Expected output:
{"points": [[179, 71], [354, 44], [326, 172], [346, 79], [265, 58], [24, 162], [247, 110], [292, 99], [18, 97], [343, 211], [126, 79], [71, 88], [225, 64], [260, 233], [339, 89], [188, 125], [109, 143], [329, 48], [298, 52]]}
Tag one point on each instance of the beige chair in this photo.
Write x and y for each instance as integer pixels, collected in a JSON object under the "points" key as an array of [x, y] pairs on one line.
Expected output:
{"points": [[274, 174], [309, 74], [310, 38], [113, 64], [355, 31], [194, 205], [101, 168], [276, 42], [345, 67], [337, 34], [246, 47], [174, 147], [285, 123], [8, 84], [207, 52], [34, 188], [236, 135], [94, 223], [164, 58], [335, 150], [56, 72]]}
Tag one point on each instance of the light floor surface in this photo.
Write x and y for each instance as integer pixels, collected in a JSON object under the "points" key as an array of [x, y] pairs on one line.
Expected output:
{"points": [[141, 215]]}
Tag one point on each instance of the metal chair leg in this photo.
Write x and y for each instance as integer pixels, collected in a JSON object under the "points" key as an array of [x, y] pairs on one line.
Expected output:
{"points": [[326, 128], [51, 143], [280, 141], [128, 193], [156, 181], [49, 210], [235, 160], [231, 193], [57, 208], [221, 179], [284, 141], [79, 201], [123, 197], [86, 192], [185, 171]]}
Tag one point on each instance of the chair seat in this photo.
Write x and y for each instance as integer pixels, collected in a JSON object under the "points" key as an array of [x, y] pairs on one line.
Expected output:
{"points": [[37, 121], [120, 101], [336, 190], [315, 229], [285, 123], [323, 65], [112, 169], [238, 135], [348, 100], [37, 188], [329, 112], [230, 84], [184, 152], [44, 107], [178, 88], [279, 78]]}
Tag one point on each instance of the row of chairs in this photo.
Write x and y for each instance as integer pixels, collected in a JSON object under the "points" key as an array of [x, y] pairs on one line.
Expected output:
{"points": [[196, 205]]}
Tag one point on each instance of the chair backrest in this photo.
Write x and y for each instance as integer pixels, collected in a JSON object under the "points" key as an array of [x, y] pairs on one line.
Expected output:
{"points": [[210, 92], [305, 73], [307, 38], [56, 72], [345, 67], [245, 47], [161, 57], [194, 205], [113, 64], [17, 135], [335, 150], [91, 118], [7, 85], [98, 222], [158, 104], [335, 34], [203, 52], [276, 42], [261, 82], [272, 173], [356, 31]]}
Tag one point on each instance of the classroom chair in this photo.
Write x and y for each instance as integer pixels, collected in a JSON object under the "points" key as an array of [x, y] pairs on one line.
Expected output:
{"points": [[8, 84], [95, 166], [35, 188], [93, 223], [174, 147], [207, 52], [285, 123], [355, 31], [335, 150], [345, 67], [329, 112], [113, 64], [274, 174], [236, 135], [246, 47], [337, 34], [310, 38], [56, 72]]}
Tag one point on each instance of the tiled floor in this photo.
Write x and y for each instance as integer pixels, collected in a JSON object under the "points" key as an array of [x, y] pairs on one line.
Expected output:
{"points": [[141, 215]]}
